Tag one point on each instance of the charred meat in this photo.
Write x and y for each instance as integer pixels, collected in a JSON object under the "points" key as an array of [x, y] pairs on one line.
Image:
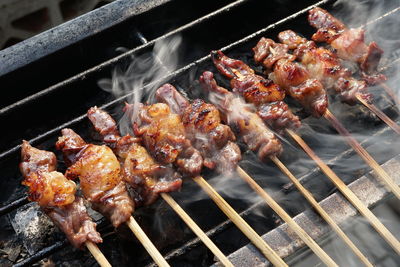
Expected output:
{"points": [[349, 43], [147, 177], [247, 124], [324, 65], [291, 76], [265, 94], [254, 88], [55, 194], [164, 136], [203, 126], [100, 176]]}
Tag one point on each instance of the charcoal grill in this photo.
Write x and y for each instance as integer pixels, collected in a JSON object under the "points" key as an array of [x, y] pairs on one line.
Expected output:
{"points": [[49, 82]]}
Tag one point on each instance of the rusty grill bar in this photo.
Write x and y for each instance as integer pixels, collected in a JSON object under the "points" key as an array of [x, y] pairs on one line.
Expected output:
{"points": [[247, 255]]}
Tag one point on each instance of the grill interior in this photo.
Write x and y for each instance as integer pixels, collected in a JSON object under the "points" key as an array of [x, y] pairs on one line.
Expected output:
{"points": [[55, 91]]}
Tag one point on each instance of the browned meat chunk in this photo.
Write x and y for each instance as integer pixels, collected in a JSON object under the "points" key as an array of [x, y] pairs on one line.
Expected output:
{"points": [[349, 43], [278, 116], [327, 25], [254, 88], [248, 79], [100, 177], [203, 126], [247, 125], [75, 222], [325, 66], [55, 194], [145, 176], [163, 134], [267, 53]]}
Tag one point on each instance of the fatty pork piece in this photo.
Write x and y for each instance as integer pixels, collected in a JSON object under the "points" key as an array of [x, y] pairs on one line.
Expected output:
{"points": [[55, 194], [163, 134], [325, 66], [214, 140], [100, 176], [291, 76], [262, 92], [147, 177], [349, 43], [247, 125]]}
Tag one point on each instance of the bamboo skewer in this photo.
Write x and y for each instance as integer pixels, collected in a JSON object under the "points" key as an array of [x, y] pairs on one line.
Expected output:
{"points": [[321, 211], [196, 229], [97, 254], [354, 200], [146, 242], [382, 174], [268, 252], [292, 224], [380, 114]]}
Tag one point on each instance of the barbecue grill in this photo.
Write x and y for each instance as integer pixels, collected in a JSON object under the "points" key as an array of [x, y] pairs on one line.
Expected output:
{"points": [[52, 79]]}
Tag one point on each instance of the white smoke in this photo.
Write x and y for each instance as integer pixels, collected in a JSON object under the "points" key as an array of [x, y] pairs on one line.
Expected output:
{"points": [[143, 70]]}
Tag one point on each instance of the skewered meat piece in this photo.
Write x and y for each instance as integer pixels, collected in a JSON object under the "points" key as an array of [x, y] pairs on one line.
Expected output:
{"points": [[247, 125], [325, 66], [140, 171], [55, 194], [163, 134], [254, 88], [291, 76], [203, 126], [100, 176], [272, 110], [349, 43]]}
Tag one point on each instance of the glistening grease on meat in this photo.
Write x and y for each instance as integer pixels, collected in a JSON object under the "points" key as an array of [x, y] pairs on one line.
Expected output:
{"points": [[325, 66], [262, 92], [203, 126], [246, 124], [147, 177], [291, 76], [349, 43], [55, 194], [163, 134], [100, 176]]}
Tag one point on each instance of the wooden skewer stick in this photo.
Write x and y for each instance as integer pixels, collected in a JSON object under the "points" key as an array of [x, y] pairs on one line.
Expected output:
{"points": [[321, 211], [268, 252], [391, 93], [364, 154], [97, 254], [292, 224], [380, 114], [146, 242], [196, 229], [373, 220]]}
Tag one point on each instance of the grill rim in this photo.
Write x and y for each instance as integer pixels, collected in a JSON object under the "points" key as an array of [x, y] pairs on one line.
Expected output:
{"points": [[100, 19]]}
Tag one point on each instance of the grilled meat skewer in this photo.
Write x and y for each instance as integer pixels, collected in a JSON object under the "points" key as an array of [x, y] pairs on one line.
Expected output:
{"points": [[349, 43], [291, 76], [203, 126], [164, 136], [55, 194], [100, 176], [325, 66], [147, 177], [247, 125], [262, 92]]}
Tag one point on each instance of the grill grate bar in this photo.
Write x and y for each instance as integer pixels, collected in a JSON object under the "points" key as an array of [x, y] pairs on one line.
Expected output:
{"points": [[42, 253], [114, 60]]}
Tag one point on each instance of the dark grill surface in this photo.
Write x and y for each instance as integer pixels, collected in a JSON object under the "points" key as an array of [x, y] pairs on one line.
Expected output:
{"points": [[54, 91]]}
